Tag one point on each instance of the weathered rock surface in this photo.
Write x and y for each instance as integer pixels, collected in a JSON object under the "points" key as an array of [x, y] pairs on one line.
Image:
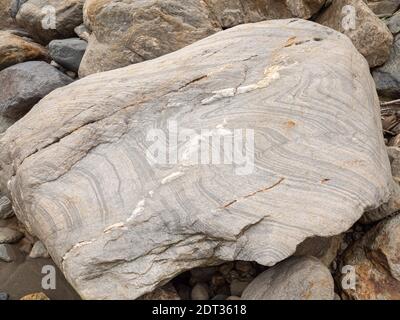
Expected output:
{"points": [[376, 261], [5, 208], [35, 296], [4, 255], [298, 278], [82, 177], [394, 23], [324, 249], [387, 77], [68, 52], [133, 31], [369, 34], [50, 19], [14, 49], [38, 251], [383, 7], [25, 84], [8, 235], [5, 18]]}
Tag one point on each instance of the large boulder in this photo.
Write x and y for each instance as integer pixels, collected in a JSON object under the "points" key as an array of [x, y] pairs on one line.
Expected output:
{"points": [[25, 84], [87, 174], [369, 34], [15, 49], [298, 278], [50, 19], [133, 31]]}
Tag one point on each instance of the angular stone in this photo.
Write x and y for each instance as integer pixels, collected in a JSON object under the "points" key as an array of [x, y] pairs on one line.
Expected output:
{"points": [[387, 77], [80, 171], [298, 278], [4, 255], [383, 7], [133, 31], [25, 84], [38, 251], [394, 23], [68, 52], [6, 21], [14, 49], [8, 235], [35, 296], [50, 19], [324, 249], [6, 210], [370, 35], [376, 261]]}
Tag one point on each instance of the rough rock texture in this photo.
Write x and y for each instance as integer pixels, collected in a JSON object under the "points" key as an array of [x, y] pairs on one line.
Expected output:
{"points": [[383, 7], [376, 260], [68, 52], [14, 49], [6, 21], [25, 84], [35, 296], [5, 208], [370, 35], [298, 278], [133, 31], [8, 235], [324, 249], [394, 23], [387, 77], [35, 16], [81, 160]]}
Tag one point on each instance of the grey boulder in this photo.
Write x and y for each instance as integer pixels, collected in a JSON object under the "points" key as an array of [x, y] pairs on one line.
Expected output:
{"points": [[25, 84], [68, 52], [120, 222], [298, 278]]}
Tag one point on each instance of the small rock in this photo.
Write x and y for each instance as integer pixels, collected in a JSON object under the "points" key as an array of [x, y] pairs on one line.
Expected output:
{"points": [[8, 235], [167, 292], [15, 6], [383, 8], [245, 268], [35, 296], [68, 13], [14, 49], [68, 52], [3, 296], [324, 249], [233, 298], [387, 77], [82, 32], [6, 210], [297, 278], [368, 26], [38, 251], [394, 23], [200, 292], [25, 84], [237, 287], [4, 255]]}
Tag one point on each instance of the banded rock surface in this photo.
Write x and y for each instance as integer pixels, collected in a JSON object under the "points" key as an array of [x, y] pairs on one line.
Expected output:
{"points": [[119, 225], [127, 32]]}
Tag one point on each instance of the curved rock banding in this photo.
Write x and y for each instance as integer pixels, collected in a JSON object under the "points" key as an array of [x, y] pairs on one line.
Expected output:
{"points": [[119, 226]]}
